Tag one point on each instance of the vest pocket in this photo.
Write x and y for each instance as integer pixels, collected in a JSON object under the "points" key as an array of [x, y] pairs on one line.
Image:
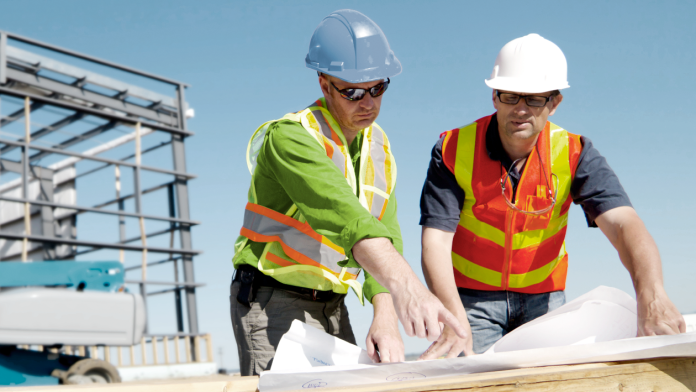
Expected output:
{"points": [[537, 222]]}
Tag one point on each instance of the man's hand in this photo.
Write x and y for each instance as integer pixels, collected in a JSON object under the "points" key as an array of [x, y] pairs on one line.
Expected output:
{"points": [[657, 315], [450, 344], [419, 311], [638, 252], [384, 333]]}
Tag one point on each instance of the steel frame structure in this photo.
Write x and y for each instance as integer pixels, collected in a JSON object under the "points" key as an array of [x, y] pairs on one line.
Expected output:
{"points": [[44, 82]]}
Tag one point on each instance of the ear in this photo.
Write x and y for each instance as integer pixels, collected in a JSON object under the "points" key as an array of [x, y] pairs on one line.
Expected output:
{"points": [[324, 84], [556, 101], [495, 103]]}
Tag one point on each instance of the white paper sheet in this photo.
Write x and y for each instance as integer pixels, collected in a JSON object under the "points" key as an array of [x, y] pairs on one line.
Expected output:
{"points": [[602, 315], [569, 346], [304, 347]]}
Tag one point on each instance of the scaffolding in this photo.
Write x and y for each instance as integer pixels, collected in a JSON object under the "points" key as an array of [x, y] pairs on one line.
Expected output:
{"points": [[67, 130]]}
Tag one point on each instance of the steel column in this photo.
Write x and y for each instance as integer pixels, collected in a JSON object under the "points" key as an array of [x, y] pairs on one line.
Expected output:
{"points": [[177, 292], [3, 57], [181, 188]]}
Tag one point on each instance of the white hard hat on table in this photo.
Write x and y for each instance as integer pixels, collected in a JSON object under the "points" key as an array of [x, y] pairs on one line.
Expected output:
{"points": [[529, 64]]}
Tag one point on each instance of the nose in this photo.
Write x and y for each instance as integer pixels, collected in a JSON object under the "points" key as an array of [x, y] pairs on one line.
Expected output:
{"points": [[367, 102], [521, 107]]}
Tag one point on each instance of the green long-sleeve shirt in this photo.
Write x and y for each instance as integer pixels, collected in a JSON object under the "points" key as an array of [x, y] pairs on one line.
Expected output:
{"points": [[293, 168]]}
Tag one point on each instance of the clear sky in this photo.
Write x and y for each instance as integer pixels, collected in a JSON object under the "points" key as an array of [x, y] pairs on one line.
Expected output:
{"points": [[630, 67]]}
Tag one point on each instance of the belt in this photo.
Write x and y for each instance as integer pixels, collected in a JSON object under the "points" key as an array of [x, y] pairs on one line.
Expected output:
{"points": [[263, 280]]}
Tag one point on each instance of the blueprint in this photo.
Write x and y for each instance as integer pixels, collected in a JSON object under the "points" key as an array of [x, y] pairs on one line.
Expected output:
{"points": [[599, 326]]}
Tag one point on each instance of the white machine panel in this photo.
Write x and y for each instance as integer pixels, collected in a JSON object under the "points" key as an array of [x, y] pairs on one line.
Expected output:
{"points": [[48, 316]]}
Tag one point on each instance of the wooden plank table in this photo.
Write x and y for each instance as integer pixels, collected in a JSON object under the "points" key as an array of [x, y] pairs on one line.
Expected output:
{"points": [[654, 375]]}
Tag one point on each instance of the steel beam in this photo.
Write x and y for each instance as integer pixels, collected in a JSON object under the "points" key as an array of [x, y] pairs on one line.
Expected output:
{"points": [[95, 158], [89, 96], [182, 284], [92, 59], [97, 210], [126, 197], [77, 139], [107, 245], [91, 111], [19, 114], [138, 266], [20, 57], [47, 130]]}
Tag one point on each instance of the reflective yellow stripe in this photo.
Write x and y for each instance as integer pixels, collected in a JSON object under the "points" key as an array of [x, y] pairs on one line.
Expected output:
{"points": [[480, 229], [560, 164], [536, 276], [463, 171], [476, 272], [534, 237]]}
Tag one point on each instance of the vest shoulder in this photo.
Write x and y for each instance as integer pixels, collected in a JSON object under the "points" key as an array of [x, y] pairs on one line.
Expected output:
{"points": [[454, 133], [557, 128]]}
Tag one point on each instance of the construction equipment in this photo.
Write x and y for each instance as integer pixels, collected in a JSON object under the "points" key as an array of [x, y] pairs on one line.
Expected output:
{"points": [[59, 304]]}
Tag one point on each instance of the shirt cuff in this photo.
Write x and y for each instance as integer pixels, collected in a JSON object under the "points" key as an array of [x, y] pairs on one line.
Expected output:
{"points": [[441, 223], [592, 213], [371, 287], [358, 229]]}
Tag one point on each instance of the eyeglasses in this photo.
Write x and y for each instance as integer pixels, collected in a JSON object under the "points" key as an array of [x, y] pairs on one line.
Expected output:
{"points": [[536, 101], [503, 181], [356, 94]]}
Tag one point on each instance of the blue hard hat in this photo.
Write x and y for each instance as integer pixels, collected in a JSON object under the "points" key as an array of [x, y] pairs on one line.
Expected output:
{"points": [[351, 47]]}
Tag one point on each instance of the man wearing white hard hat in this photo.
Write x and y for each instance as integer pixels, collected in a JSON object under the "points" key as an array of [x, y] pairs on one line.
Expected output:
{"points": [[494, 210], [322, 207]]}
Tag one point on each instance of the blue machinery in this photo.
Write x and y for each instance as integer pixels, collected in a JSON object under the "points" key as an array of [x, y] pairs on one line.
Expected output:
{"points": [[48, 304]]}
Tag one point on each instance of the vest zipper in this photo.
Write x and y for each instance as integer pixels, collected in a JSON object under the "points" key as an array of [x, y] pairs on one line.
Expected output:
{"points": [[509, 219]]}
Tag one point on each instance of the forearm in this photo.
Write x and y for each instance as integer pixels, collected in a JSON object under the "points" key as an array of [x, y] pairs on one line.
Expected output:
{"points": [[657, 315], [636, 247], [384, 306], [379, 257], [437, 268]]}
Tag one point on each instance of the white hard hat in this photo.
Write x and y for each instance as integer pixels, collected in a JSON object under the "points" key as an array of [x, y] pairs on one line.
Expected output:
{"points": [[529, 64]]}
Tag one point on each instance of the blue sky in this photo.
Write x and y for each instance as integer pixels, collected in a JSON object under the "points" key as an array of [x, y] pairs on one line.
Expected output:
{"points": [[630, 68]]}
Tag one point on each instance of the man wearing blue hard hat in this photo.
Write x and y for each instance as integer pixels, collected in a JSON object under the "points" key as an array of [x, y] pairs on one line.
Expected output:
{"points": [[322, 207]]}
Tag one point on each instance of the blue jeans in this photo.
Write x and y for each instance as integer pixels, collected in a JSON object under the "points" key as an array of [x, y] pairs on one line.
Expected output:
{"points": [[493, 314]]}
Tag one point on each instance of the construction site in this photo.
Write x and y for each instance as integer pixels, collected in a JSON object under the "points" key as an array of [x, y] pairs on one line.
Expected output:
{"points": [[135, 256]]}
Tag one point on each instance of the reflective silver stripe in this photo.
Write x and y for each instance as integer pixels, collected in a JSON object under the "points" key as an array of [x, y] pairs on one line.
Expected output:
{"points": [[379, 158], [338, 159], [297, 240], [255, 146]]}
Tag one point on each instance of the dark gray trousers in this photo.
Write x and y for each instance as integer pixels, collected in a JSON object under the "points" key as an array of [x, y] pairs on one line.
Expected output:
{"points": [[258, 329]]}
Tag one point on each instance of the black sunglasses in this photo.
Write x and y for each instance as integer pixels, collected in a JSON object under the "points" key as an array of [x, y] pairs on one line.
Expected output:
{"points": [[356, 94]]}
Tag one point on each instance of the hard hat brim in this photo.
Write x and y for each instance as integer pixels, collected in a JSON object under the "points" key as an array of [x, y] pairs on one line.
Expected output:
{"points": [[524, 86], [362, 75]]}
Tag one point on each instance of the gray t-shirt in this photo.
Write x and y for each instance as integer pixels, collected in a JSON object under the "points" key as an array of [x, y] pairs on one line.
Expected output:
{"points": [[595, 186]]}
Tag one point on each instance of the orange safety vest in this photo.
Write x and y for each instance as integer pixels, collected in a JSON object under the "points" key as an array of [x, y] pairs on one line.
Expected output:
{"points": [[296, 254], [494, 246]]}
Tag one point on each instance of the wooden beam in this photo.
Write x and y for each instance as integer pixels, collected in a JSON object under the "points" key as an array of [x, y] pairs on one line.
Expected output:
{"points": [[674, 375]]}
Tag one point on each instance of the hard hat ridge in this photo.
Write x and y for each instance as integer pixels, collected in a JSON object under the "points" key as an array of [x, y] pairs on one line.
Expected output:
{"points": [[529, 64], [351, 47]]}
